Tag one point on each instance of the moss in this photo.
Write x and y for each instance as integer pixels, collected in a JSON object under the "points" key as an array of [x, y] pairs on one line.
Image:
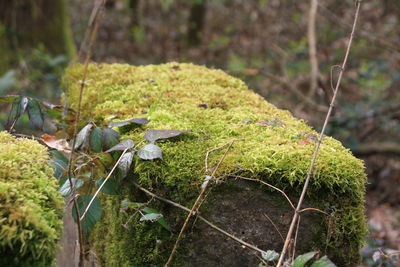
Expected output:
{"points": [[214, 105], [30, 205]]}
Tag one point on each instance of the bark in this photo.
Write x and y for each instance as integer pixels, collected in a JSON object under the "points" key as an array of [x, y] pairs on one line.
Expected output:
{"points": [[28, 24], [196, 22]]}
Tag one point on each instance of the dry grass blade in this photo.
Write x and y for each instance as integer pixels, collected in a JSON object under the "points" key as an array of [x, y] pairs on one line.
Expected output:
{"points": [[102, 184], [310, 171]]}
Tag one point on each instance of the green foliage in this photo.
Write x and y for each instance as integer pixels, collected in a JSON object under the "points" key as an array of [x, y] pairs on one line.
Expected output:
{"points": [[214, 106], [30, 205]]}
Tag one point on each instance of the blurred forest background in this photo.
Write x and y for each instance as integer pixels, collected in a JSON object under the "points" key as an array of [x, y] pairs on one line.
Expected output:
{"points": [[283, 49]]}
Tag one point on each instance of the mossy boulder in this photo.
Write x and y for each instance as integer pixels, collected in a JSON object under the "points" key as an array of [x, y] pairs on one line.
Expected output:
{"points": [[274, 146], [30, 205]]}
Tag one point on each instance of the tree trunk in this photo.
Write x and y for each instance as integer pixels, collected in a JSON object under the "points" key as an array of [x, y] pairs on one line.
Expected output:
{"points": [[196, 22], [135, 14], [30, 23]]}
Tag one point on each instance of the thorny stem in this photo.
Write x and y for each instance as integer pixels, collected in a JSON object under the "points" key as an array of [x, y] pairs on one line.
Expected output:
{"points": [[310, 170], [196, 206], [93, 33]]}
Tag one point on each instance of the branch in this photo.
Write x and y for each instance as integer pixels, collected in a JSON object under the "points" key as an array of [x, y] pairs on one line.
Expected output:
{"points": [[92, 32], [196, 204], [312, 45], [310, 170], [377, 148], [244, 243], [102, 184]]}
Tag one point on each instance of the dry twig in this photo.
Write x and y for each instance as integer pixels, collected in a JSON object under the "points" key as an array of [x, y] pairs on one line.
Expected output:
{"points": [[310, 171], [197, 203], [93, 32], [312, 45], [244, 243]]}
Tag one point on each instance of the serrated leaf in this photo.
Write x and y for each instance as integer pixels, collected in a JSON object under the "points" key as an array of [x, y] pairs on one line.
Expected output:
{"points": [[150, 152], [323, 262], [151, 217], [9, 98], [138, 121], [125, 163], [65, 189], [96, 140], [35, 114], [301, 260], [82, 135], [110, 187], [110, 138], [269, 255], [92, 216], [127, 144], [160, 220], [154, 135]]}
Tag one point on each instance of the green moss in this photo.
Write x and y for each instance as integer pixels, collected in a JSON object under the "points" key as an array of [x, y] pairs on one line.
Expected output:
{"points": [[30, 205], [176, 94]]}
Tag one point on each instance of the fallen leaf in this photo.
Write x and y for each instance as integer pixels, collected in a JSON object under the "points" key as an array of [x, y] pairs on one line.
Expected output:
{"points": [[58, 144]]}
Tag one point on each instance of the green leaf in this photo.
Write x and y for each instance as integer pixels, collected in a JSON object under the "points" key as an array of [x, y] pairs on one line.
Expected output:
{"points": [[150, 152], [58, 155], [323, 262], [122, 146], [151, 217], [18, 108], [9, 98], [65, 189], [301, 260], [138, 121], [96, 140], [93, 215], [110, 138], [161, 220], [59, 163], [35, 114], [126, 204], [82, 135], [125, 163], [110, 187], [154, 135], [270, 255]]}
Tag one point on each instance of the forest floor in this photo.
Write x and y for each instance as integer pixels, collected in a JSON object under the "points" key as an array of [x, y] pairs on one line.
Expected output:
{"points": [[250, 53]]}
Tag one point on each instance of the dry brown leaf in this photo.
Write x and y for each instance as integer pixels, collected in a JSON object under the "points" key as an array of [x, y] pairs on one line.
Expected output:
{"points": [[59, 144]]}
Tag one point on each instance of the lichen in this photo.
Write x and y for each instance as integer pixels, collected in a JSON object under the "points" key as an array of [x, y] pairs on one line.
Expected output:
{"points": [[30, 205], [214, 106]]}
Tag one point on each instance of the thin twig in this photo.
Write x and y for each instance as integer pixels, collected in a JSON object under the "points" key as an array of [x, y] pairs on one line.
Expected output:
{"points": [[312, 45], [196, 205], [82, 86], [295, 239], [313, 209], [310, 170], [244, 243], [267, 184], [276, 228], [102, 184]]}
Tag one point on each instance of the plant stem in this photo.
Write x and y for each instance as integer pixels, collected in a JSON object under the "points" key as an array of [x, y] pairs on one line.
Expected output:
{"points": [[310, 170]]}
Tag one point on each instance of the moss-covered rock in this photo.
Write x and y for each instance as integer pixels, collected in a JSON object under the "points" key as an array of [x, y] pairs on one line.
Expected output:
{"points": [[217, 108], [30, 205]]}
